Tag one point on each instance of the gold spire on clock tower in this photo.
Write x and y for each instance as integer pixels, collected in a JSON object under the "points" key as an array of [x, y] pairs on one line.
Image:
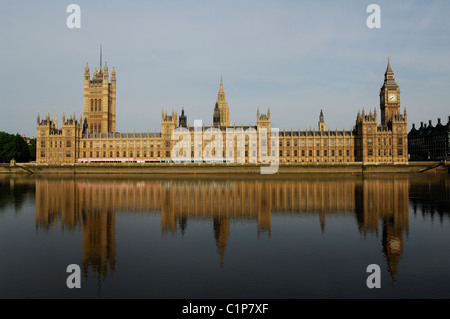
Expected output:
{"points": [[389, 96]]}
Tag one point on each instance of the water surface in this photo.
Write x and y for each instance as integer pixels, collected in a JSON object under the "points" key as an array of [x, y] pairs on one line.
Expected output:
{"points": [[275, 237]]}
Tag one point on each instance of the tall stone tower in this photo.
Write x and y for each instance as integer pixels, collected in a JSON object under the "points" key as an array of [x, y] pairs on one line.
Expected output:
{"points": [[100, 100], [389, 97], [222, 106]]}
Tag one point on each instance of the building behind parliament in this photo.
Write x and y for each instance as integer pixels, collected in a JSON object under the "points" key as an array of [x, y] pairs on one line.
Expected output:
{"points": [[93, 137]]}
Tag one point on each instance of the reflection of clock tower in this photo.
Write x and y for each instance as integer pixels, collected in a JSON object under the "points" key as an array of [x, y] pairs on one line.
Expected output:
{"points": [[389, 97]]}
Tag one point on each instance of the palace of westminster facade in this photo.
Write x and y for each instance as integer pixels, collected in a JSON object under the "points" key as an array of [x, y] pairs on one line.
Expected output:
{"points": [[93, 136]]}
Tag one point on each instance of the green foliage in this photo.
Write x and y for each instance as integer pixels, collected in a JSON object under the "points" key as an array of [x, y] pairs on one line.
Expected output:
{"points": [[32, 148], [13, 146]]}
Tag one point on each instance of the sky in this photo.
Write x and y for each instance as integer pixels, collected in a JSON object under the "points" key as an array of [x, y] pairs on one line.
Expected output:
{"points": [[296, 57]]}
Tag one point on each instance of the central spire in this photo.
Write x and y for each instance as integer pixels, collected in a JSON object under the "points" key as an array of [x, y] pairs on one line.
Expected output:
{"points": [[222, 106], [221, 85]]}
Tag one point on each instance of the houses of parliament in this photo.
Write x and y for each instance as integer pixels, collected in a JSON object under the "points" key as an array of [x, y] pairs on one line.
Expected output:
{"points": [[93, 137]]}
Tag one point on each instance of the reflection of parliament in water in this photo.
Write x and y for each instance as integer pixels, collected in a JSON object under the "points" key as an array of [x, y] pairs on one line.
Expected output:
{"points": [[91, 205]]}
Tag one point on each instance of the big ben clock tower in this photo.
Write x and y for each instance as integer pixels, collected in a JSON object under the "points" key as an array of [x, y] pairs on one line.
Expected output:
{"points": [[389, 97]]}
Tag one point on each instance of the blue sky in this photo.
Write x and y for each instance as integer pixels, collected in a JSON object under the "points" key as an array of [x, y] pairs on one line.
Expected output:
{"points": [[296, 57]]}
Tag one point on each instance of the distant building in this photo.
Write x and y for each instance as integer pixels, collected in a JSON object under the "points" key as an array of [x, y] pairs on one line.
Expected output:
{"points": [[429, 142], [27, 139], [93, 137]]}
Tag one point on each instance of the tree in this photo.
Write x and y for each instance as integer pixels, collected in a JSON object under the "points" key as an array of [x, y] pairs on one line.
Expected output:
{"points": [[32, 149], [13, 146]]}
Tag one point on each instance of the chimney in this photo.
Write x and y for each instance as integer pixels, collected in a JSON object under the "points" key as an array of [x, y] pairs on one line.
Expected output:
{"points": [[429, 123], [439, 121], [414, 126], [421, 124]]}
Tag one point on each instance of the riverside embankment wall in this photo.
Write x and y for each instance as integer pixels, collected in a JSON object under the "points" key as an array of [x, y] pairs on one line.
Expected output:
{"points": [[212, 169]]}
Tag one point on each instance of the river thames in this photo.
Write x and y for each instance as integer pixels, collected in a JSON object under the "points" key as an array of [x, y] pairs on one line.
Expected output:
{"points": [[277, 237]]}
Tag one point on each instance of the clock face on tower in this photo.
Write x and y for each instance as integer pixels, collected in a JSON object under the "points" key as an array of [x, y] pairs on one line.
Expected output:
{"points": [[392, 97]]}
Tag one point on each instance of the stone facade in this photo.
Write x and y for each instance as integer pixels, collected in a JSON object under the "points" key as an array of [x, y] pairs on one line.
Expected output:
{"points": [[93, 137]]}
